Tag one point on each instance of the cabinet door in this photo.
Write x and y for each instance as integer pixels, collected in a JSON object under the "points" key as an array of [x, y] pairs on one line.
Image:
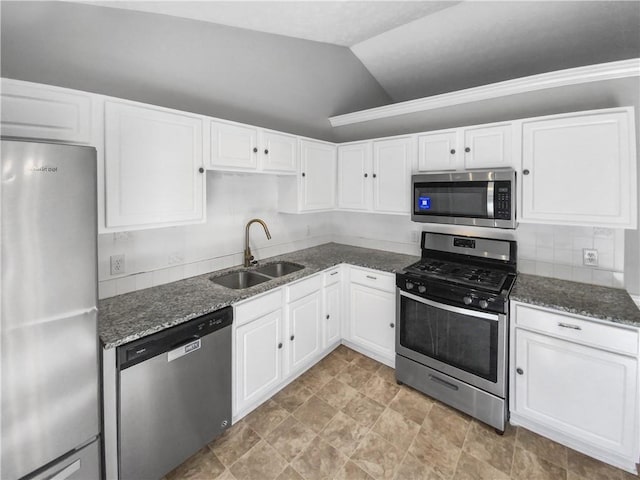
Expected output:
{"points": [[234, 146], [583, 392], [304, 331], [152, 162], [332, 314], [44, 112], [392, 161], [437, 151], [487, 147], [580, 171], [258, 356], [354, 176], [279, 152], [318, 176], [372, 319]]}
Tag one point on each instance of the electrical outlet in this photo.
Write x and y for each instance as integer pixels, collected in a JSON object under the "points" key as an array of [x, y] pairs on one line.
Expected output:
{"points": [[117, 264], [590, 257]]}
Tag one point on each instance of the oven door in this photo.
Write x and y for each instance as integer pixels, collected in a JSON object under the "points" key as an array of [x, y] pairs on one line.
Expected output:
{"points": [[459, 342]]}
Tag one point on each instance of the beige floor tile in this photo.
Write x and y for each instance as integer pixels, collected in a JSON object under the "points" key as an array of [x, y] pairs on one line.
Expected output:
{"points": [[266, 417], [204, 465], [412, 404], [292, 396], [543, 447], [447, 423], [289, 474], [337, 394], [364, 410], [290, 438], [388, 374], [262, 462], [344, 433], [318, 461], [315, 413], [590, 468], [470, 468], [436, 451], [332, 365], [377, 457], [366, 363], [345, 353], [413, 469], [234, 443], [380, 390], [528, 466], [396, 429], [315, 378], [485, 444], [351, 471], [354, 376]]}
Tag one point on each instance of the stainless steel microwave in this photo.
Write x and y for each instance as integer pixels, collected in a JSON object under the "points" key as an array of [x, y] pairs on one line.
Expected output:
{"points": [[484, 198]]}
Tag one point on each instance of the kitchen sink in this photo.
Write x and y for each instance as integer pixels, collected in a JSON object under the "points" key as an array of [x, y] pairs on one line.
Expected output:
{"points": [[240, 279], [279, 269]]}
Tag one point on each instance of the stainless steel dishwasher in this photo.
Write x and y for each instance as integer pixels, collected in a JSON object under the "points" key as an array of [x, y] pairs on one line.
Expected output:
{"points": [[174, 394]]}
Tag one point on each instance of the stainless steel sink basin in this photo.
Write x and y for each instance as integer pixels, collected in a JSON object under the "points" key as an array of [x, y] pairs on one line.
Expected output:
{"points": [[279, 269], [240, 279]]}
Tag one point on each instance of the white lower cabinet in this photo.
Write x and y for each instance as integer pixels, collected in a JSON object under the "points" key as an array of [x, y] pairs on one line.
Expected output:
{"points": [[304, 332], [372, 314], [332, 315], [575, 380]]}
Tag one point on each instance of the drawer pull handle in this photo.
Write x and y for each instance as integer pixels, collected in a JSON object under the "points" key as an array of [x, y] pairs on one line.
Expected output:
{"points": [[280, 345], [372, 277], [333, 273], [328, 316], [392, 325], [519, 371], [292, 337], [568, 325]]}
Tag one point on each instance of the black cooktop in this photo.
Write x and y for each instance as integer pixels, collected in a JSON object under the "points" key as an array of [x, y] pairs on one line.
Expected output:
{"points": [[464, 274]]}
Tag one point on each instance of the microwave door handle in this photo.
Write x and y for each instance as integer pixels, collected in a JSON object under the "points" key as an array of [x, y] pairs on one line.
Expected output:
{"points": [[450, 308], [490, 190]]}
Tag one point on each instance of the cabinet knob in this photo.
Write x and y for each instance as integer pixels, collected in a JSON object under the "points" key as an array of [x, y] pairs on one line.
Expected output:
{"points": [[519, 371], [292, 337], [392, 325], [374, 175], [255, 149], [366, 175], [526, 171], [467, 149], [201, 170], [328, 316], [303, 174], [266, 151], [453, 151], [280, 345]]}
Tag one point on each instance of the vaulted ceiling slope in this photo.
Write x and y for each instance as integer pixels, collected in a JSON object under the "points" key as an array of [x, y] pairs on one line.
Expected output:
{"points": [[263, 79]]}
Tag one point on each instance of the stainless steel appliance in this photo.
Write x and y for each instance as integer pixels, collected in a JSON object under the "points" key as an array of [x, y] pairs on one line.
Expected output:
{"points": [[452, 316], [484, 198], [50, 370], [175, 394]]}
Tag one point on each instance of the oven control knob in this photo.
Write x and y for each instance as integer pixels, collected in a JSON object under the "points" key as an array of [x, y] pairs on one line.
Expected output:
{"points": [[467, 300], [422, 289], [409, 286], [483, 304]]}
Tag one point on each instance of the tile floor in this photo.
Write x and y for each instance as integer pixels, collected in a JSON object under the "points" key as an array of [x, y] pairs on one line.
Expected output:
{"points": [[346, 418]]}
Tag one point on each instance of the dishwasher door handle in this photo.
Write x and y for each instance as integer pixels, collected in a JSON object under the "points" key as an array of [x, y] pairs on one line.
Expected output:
{"points": [[191, 346]]}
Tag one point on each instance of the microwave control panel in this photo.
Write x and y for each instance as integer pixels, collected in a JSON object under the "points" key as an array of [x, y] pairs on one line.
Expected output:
{"points": [[502, 200]]}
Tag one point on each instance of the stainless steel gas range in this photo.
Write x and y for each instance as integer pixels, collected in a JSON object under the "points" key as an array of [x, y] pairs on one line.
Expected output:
{"points": [[452, 316]]}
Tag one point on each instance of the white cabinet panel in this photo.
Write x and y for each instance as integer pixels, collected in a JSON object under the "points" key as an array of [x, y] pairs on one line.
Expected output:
{"points": [[487, 147], [318, 176], [372, 319], [354, 176], [437, 151], [258, 356], [153, 167], [233, 146], [392, 161], [279, 152], [580, 170], [304, 331], [44, 112]]}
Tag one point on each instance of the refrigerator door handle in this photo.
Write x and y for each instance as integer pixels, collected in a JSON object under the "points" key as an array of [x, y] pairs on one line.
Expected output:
{"points": [[67, 471]]}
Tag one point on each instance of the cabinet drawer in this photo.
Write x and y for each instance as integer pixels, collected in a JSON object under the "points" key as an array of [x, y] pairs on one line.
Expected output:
{"points": [[332, 276], [587, 332], [257, 306], [373, 278], [303, 287]]}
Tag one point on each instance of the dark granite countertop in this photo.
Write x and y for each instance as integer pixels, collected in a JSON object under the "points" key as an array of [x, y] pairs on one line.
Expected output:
{"points": [[603, 303], [124, 318]]}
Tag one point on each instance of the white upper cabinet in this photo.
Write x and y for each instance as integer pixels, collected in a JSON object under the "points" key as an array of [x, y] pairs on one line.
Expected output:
{"points": [[354, 176], [376, 176], [31, 110], [240, 147], [580, 169], [484, 146], [392, 164], [154, 166]]}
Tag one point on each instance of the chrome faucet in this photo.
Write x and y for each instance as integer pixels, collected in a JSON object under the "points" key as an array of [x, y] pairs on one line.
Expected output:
{"points": [[248, 258]]}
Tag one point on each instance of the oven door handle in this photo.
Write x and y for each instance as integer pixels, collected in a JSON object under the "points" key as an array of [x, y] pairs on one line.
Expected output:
{"points": [[449, 308]]}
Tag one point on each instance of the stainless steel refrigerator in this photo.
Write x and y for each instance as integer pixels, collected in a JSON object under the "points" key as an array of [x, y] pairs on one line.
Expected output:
{"points": [[50, 410]]}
